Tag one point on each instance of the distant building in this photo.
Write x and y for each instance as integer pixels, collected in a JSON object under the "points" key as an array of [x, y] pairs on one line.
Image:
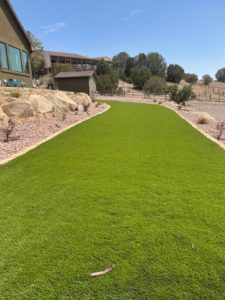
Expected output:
{"points": [[77, 61], [15, 47], [83, 81]]}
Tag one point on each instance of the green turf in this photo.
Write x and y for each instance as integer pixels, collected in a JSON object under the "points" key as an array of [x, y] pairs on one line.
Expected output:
{"points": [[137, 187]]}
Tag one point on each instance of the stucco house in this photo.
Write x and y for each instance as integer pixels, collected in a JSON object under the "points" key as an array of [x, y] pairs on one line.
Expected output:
{"points": [[83, 81], [15, 47]]}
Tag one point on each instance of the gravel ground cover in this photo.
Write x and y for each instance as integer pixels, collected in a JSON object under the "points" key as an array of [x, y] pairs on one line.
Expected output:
{"points": [[31, 132]]}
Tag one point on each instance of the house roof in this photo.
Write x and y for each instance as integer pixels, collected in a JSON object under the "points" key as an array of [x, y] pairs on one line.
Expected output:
{"points": [[81, 74], [11, 9]]}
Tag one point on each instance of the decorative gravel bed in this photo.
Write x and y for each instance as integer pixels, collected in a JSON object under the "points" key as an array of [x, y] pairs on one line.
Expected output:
{"points": [[31, 132]]}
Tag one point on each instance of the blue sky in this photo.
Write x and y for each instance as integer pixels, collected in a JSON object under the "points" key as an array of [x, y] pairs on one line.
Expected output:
{"points": [[187, 32]]}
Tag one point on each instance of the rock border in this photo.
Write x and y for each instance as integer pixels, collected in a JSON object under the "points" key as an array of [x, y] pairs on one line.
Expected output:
{"points": [[28, 149]]}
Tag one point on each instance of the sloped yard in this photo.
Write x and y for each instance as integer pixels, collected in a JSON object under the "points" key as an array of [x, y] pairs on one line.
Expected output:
{"points": [[136, 187]]}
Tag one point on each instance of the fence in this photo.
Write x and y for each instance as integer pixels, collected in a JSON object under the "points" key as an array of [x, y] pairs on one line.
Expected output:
{"points": [[216, 96]]}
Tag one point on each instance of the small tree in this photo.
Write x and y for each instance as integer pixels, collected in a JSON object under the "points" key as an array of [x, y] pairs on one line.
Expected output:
{"points": [[191, 78], [207, 79], [175, 73], [139, 75], [220, 75], [155, 85], [102, 68], [37, 58], [183, 95]]}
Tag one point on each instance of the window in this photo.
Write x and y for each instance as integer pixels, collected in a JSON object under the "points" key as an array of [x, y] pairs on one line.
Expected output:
{"points": [[25, 62], [3, 56], [15, 59]]}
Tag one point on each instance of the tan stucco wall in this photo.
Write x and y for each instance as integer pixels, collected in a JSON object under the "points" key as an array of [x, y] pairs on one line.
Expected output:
{"points": [[12, 35]]}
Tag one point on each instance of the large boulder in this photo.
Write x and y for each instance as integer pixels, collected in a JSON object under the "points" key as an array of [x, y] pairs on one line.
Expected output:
{"points": [[41, 104], [81, 99], [62, 102], [19, 108]]}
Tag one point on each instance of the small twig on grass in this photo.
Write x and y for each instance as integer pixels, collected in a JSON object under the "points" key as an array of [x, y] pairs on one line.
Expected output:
{"points": [[101, 273]]}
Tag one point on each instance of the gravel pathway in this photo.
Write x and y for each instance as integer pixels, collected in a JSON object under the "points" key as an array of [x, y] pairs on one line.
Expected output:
{"points": [[31, 132]]}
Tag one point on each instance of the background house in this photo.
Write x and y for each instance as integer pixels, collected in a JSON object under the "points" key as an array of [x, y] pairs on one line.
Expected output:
{"points": [[15, 47], [77, 61], [83, 81]]}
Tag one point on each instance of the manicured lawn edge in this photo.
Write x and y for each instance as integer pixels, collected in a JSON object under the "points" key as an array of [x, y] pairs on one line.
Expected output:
{"points": [[197, 128], [20, 153]]}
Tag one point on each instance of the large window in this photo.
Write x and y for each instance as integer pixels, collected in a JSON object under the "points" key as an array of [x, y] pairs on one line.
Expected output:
{"points": [[15, 59], [25, 62], [3, 56]]}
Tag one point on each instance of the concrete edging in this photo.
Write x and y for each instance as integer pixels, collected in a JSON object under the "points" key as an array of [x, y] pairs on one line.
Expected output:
{"points": [[26, 150]]}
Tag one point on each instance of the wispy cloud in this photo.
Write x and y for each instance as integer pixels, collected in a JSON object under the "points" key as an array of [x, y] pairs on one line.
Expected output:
{"points": [[133, 14], [53, 28]]}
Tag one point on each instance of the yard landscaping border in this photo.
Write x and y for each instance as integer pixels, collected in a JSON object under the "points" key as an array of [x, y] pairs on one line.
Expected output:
{"points": [[178, 112], [27, 149]]}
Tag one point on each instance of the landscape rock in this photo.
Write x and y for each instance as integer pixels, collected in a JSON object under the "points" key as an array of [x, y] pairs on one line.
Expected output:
{"points": [[80, 108], [82, 98], [41, 104], [19, 108]]}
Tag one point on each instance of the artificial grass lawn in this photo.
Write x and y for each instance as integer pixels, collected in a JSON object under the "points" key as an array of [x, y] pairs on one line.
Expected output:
{"points": [[136, 187]]}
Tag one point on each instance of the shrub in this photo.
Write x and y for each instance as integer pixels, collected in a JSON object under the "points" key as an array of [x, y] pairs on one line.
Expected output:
{"points": [[220, 75], [183, 95], [9, 130], [203, 120], [15, 94], [221, 128], [155, 85], [191, 78], [175, 73], [207, 79]]}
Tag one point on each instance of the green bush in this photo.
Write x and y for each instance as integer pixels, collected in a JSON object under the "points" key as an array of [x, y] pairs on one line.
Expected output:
{"points": [[181, 96], [15, 94], [155, 85]]}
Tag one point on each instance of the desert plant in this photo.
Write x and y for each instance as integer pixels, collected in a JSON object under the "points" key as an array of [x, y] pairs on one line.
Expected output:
{"points": [[63, 116], [180, 96], [15, 94], [221, 128], [9, 130], [203, 120]]}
